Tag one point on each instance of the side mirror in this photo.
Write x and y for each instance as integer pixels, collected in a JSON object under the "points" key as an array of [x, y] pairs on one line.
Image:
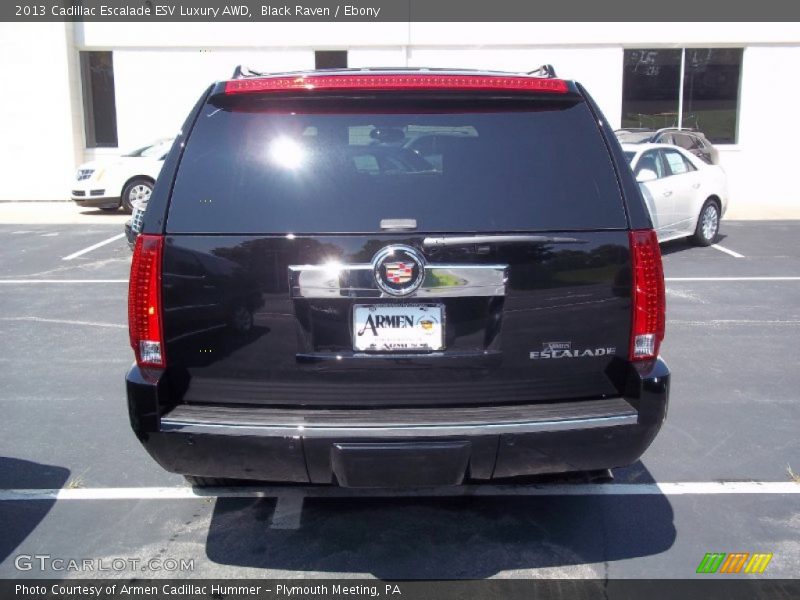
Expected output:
{"points": [[645, 175]]}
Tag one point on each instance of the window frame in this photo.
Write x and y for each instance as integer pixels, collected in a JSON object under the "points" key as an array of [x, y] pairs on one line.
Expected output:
{"points": [[703, 143]]}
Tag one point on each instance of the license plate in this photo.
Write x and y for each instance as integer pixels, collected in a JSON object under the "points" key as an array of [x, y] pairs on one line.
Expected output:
{"points": [[398, 327]]}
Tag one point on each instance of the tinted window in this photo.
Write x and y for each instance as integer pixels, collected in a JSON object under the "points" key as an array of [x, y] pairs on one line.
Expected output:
{"points": [[651, 86], [330, 59], [650, 83], [509, 167], [711, 92], [684, 141], [666, 138], [99, 101]]}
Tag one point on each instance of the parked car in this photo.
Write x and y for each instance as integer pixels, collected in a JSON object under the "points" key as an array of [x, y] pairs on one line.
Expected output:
{"points": [[685, 196], [110, 183], [499, 316], [689, 139], [133, 226]]}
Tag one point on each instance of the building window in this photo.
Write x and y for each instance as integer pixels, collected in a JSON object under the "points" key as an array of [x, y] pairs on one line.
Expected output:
{"points": [[99, 104], [330, 59], [697, 88]]}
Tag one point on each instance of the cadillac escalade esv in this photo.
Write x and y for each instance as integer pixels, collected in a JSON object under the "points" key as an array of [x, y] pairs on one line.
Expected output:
{"points": [[378, 278]]}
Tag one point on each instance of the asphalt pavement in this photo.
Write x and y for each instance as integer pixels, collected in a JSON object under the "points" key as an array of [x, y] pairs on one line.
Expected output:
{"points": [[734, 416]]}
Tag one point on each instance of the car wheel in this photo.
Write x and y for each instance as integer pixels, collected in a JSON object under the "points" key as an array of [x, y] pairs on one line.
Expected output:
{"points": [[137, 190], [241, 320], [202, 482], [707, 228]]}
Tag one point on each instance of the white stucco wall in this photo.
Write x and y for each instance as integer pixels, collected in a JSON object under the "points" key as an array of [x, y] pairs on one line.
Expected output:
{"points": [[156, 89], [761, 166], [38, 144], [161, 68]]}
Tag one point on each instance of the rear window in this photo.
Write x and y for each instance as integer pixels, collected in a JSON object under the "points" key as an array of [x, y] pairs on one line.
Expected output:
{"points": [[263, 167]]}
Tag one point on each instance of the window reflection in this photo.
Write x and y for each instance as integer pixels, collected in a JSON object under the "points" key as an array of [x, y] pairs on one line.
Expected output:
{"points": [[711, 92], [651, 90]]}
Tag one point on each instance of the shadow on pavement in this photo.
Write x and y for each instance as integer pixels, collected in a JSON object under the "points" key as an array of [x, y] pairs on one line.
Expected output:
{"points": [[96, 212], [443, 538], [20, 518], [682, 244]]}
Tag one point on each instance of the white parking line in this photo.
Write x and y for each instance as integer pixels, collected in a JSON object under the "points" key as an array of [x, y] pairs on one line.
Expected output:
{"points": [[20, 281], [65, 322], [679, 488], [94, 246], [732, 279], [727, 251], [736, 322]]}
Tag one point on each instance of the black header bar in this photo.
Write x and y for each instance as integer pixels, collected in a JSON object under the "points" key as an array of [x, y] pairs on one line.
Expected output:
{"points": [[710, 588], [711, 11]]}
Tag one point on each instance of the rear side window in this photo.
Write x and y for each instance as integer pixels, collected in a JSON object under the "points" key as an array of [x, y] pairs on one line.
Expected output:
{"points": [[678, 165], [260, 167], [684, 141], [651, 160]]}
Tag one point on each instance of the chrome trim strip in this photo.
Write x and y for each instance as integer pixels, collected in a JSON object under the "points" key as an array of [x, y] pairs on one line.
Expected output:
{"points": [[464, 240], [398, 431], [336, 280], [398, 223]]}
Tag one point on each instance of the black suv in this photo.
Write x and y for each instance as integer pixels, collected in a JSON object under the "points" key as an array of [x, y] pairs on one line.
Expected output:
{"points": [[689, 139], [313, 301]]}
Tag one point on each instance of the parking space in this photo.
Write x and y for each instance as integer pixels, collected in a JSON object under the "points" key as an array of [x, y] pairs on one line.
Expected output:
{"points": [[732, 327]]}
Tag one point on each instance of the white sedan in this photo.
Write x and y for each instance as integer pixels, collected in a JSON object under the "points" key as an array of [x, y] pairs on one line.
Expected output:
{"points": [[685, 196], [120, 181]]}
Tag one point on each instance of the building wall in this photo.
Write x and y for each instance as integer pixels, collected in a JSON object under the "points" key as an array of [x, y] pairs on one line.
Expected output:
{"points": [[155, 89], [762, 165], [39, 109], [161, 68]]}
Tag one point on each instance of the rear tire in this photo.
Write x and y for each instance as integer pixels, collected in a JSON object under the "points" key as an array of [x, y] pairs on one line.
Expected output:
{"points": [[707, 228], [136, 190], [203, 482]]}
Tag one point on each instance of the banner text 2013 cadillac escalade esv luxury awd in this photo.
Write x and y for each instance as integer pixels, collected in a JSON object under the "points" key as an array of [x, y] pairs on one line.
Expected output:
{"points": [[395, 278]]}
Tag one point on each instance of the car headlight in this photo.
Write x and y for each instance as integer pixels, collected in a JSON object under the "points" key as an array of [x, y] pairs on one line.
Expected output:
{"points": [[84, 174]]}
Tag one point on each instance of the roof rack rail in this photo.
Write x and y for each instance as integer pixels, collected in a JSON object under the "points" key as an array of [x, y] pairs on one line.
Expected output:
{"points": [[544, 71], [241, 72], [676, 129]]}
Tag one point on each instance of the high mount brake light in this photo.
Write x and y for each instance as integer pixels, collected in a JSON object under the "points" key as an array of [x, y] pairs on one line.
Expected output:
{"points": [[398, 82], [648, 298], [144, 302]]}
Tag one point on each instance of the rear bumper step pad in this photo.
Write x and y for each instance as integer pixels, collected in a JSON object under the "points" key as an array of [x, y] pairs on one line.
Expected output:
{"points": [[393, 423]]}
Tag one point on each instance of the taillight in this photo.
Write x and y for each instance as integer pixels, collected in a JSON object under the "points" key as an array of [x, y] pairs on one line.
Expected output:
{"points": [[648, 301], [396, 82], [144, 302]]}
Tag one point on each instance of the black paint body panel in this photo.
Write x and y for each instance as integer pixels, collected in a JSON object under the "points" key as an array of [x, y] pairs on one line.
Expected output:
{"points": [[299, 351], [238, 339], [481, 457]]}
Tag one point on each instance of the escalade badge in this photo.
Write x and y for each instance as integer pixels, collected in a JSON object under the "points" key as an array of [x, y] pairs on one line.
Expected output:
{"points": [[565, 350], [399, 270]]}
